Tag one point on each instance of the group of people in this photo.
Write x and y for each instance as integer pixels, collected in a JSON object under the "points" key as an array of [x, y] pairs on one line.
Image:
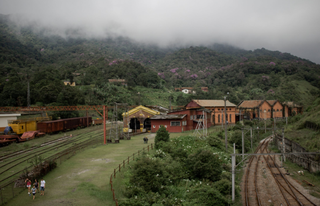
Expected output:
{"points": [[35, 187]]}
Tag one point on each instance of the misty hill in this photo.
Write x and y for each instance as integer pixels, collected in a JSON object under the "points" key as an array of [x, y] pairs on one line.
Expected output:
{"points": [[29, 53]]}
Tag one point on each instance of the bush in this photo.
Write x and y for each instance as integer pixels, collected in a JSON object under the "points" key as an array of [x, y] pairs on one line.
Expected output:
{"points": [[162, 135], [204, 165], [149, 174], [206, 195], [214, 142]]}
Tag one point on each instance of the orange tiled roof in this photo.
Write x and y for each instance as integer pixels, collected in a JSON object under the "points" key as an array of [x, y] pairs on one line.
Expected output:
{"points": [[250, 103], [213, 103], [272, 102]]}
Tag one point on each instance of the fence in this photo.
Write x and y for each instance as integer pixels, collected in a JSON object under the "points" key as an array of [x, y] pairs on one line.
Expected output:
{"points": [[12, 188], [122, 165], [312, 125]]}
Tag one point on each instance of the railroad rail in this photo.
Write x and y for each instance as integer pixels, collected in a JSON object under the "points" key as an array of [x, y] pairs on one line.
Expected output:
{"points": [[291, 195]]}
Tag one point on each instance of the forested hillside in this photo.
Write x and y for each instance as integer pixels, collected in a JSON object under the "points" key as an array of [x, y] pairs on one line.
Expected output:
{"points": [[34, 55]]}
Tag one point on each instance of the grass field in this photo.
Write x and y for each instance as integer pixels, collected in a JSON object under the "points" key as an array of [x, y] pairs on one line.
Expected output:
{"points": [[84, 178]]}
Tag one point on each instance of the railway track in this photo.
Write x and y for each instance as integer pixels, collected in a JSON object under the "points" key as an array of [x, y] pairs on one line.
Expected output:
{"points": [[291, 196]]}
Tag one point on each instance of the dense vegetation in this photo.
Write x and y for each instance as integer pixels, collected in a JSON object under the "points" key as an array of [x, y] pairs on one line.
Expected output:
{"points": [[30, 54], [182, 171]]}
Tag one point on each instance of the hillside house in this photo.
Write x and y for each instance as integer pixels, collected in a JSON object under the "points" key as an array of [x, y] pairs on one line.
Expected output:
{"points": [[118, 81], [69, 83], [189, 90], [217, 110]]}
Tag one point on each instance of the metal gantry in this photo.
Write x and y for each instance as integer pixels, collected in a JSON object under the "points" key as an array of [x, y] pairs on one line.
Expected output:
{"points": [[201, 128]]}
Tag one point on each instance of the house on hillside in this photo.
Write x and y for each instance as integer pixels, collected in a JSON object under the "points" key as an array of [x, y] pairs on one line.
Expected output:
{"points": [[189, 90], [118, 81], [291, 109], [68, 83], [216, 107]]}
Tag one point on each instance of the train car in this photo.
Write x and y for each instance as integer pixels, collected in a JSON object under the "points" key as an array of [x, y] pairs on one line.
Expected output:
{"points": [[63, 124]]}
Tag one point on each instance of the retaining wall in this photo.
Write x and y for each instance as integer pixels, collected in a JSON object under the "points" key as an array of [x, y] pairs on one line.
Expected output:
{"points": [[308, 162]]}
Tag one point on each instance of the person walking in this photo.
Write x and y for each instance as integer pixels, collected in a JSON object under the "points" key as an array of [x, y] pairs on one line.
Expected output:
{"points": [[28, 182], [36, 184], [34, 190], [42, 186]]}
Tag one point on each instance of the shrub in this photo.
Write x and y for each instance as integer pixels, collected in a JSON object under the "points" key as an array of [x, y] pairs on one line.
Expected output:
{"points": [[214, 142], [161, 135], [204, 165], [149, 174], [206, 195]]}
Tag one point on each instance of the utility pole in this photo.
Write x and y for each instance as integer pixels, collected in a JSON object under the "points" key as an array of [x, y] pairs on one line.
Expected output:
{"points": [[283, 145], [242, 144], [28, 98], [233, 165], [265, 121], [225, 130], [251, 136]]}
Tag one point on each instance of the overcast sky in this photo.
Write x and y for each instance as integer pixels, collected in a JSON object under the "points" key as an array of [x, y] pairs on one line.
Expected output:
{"points": [[286, 25]]}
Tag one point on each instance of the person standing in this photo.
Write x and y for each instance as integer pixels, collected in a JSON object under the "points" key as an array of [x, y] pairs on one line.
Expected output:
{"points": [[34, 189], [42, 186], [28, 185], [36, 184]]}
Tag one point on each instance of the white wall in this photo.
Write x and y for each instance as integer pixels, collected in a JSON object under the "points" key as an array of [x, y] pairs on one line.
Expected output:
{"points": [[5, 117]]}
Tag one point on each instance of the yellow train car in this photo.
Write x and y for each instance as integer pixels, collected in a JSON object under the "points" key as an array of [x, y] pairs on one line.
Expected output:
{"points": [[22, 126]]}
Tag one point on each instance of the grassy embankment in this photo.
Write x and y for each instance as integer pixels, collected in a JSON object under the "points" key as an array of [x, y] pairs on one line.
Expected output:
{"points": [[84, 178]]}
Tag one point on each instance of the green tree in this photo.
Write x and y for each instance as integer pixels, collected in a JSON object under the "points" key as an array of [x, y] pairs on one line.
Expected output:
{"points": [[204, 165], [162, 135]]}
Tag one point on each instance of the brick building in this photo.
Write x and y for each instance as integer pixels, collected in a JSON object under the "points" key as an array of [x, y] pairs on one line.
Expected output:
{"points": [[261, 109], [182, 120], [217, 110], [291, 109]]}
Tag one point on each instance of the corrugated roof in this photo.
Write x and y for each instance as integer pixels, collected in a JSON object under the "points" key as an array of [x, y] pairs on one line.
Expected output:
{"points": [[169, 116], [250, 103], [213, 103], [160, 109]]}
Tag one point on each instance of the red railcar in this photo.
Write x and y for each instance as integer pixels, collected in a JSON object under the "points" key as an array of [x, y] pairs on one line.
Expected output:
{"points": [[63, 124]]}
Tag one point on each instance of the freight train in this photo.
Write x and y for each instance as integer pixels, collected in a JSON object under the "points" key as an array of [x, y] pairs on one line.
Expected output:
{"points": [[23, 131]]}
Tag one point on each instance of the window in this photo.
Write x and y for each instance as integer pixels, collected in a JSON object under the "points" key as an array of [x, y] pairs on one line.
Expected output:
{"points": [[277, 110], [219, 109], [191, 117], [218, 118], [174, 123], [268, 110], [199, 116], [226, 117], [280, 109], [165, 126], [154, 126], [194, 116], [230, 118]]}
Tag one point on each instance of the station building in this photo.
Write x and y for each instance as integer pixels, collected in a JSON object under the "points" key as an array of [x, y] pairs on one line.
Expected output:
{"points": [[217, 110]]}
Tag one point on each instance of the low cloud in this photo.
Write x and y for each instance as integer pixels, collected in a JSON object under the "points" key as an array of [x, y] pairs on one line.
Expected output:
{"points": [[287, 26]]}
